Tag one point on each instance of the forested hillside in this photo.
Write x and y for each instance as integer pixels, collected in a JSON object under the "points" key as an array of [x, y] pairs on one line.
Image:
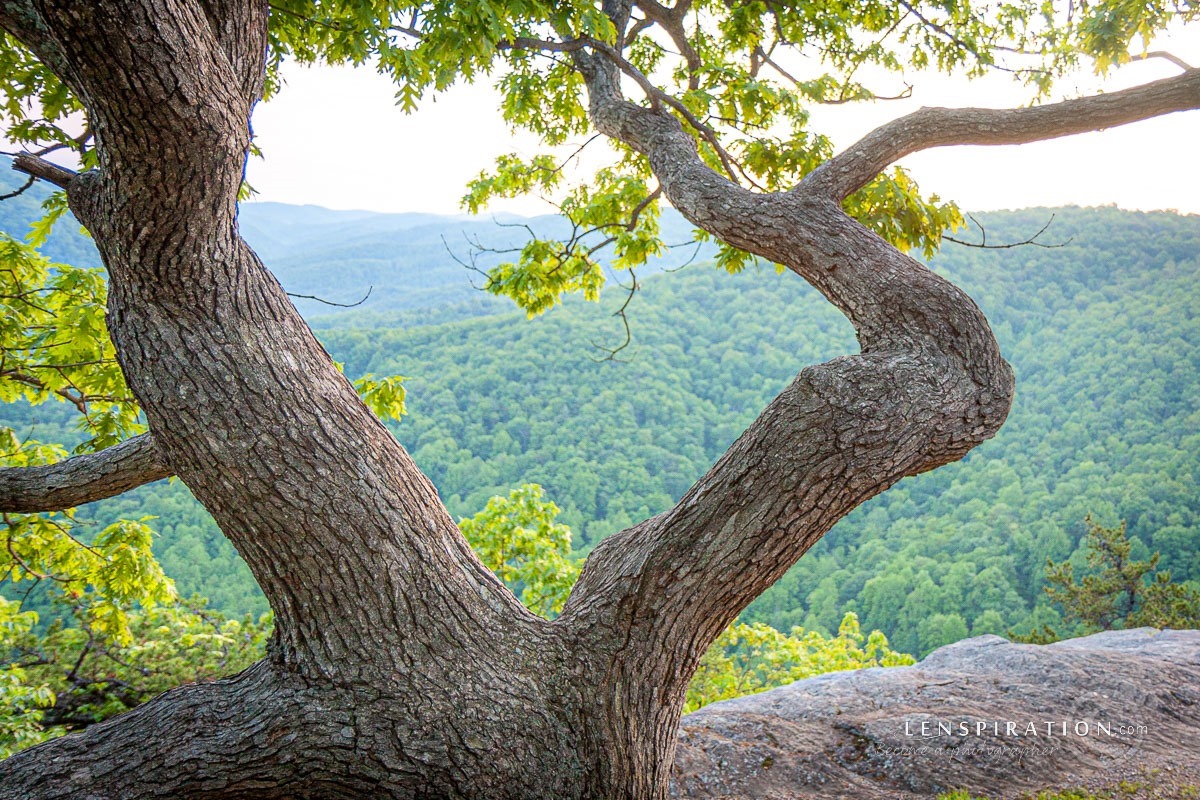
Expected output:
{"points": [[1102, 333]]}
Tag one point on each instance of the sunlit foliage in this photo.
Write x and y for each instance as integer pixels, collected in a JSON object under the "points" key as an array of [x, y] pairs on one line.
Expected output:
{"points": [[751, 658], [517, 538], [741, 78], [69, 676]]}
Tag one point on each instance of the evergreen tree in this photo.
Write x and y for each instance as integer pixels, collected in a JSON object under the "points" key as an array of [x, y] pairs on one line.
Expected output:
{"points": [[1120, 592]]}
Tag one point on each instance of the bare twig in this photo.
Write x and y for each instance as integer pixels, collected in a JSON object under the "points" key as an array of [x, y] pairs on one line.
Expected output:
{"points": [[983, 242], [545, 45], [1164, 55], [638, 26], [842, 99], [691, 259], [330, 302], [20, 191], [475, 248], [80, 403], [620, 313]]}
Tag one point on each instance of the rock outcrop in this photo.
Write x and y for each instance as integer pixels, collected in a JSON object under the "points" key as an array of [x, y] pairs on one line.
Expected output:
{"points": [[987, 715]]}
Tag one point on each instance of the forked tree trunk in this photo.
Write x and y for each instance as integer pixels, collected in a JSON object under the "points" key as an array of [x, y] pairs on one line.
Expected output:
{"points": [[400, 667]]}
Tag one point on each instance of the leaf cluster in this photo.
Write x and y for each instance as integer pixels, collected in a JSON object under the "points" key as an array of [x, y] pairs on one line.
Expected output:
{"points": [[36, 108], [741, 78], [53, 341], [518, 538], [54, 347], [73, 675]]}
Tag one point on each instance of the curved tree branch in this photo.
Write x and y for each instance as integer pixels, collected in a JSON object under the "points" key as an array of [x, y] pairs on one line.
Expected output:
{"points": [[928, 385], [400, 666], [852, 169], [84, 478]]}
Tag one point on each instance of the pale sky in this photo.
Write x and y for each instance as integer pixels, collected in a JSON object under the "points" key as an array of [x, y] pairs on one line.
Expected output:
{"points": [[334, 138]]}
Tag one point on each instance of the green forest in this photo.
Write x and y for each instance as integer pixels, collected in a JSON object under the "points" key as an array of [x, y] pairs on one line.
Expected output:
{"points": [[1101, 329]]}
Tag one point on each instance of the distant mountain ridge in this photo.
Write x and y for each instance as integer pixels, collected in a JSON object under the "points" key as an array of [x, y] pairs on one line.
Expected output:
{"points": [[395, 264]]}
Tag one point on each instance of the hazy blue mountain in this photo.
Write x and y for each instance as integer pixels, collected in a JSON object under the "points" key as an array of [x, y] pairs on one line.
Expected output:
{"points": [[410, 268], [68, 244]]}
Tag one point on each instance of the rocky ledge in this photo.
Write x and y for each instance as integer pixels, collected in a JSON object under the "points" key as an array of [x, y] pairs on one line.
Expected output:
{"points": [[986, 715]]}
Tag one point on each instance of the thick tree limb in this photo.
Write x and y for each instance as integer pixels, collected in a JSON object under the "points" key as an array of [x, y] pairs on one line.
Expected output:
{"points": [[938, 127], [82, 479], [41, 168], [230, 738], [23, 20], [930, 373], [234, 25], [400, 666], [928, 386]]}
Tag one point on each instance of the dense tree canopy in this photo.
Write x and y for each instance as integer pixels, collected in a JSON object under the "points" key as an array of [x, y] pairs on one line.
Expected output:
{"points": [[431, 674], [500, 401]]}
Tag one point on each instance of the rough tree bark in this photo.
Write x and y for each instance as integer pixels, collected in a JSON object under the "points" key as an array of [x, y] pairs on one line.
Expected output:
{"points": [[400, 666]]}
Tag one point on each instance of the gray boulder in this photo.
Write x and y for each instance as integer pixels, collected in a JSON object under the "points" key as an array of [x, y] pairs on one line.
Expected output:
{"points": [[987, 715]]}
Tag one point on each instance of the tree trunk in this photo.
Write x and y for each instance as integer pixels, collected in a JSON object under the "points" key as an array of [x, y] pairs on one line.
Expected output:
{"points": [[400, 667]]}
